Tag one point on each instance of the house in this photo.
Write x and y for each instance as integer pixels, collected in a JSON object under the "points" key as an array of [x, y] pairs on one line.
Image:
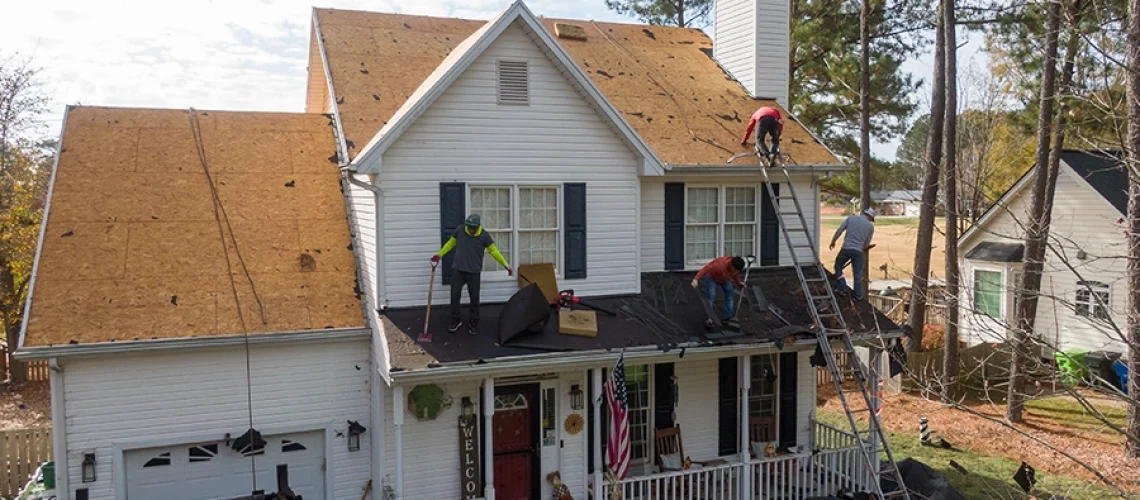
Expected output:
{"points": [[1084, 286], [898, 202], [230, 300]]}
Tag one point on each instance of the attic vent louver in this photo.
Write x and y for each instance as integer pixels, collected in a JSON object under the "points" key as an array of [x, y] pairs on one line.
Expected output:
{"points": [[514, 82]]}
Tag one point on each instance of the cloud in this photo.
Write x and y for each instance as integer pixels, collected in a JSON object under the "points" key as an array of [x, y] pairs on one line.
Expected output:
{"points": [[209, 54]]}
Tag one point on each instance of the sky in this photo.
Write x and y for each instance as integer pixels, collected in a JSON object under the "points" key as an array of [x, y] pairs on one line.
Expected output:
{"points": [[225, 54]]}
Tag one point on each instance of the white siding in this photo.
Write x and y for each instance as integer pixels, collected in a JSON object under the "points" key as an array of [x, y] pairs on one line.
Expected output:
{"points": [[698, 408], [653, 214], [467, 137], [1082, 220], [734, 39], [362, 217], [134, 401], [805, 397]]}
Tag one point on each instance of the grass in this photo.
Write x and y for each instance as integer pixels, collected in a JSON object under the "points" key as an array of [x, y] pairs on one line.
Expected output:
{"points": [[989, 477], [895, 240], [1065, 409]]}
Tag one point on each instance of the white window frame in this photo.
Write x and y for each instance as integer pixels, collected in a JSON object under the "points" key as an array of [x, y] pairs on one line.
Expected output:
{"points": [[513, 257], [1092, 307], [649, 417], [1001, 292], [691, 264]]}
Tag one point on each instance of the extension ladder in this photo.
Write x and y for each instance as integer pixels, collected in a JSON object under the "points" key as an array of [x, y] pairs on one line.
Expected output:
{"points": [[829, 324]]}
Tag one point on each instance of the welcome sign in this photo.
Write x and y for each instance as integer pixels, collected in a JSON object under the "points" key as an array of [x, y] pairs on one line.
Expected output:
{"points": [[469, 477]]}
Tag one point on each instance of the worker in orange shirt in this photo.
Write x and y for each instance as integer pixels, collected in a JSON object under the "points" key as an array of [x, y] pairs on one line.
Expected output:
{"points": [[723, 273], [767, 121]]}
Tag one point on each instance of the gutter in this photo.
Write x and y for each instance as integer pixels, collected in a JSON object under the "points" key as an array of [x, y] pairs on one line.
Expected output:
{"points": [[40, 241], [753, 168], [64, 350], [341, 144]]}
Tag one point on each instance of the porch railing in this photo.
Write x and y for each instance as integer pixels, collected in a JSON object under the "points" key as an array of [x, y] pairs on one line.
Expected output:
{"points": [[793, 477], [831, 438]]}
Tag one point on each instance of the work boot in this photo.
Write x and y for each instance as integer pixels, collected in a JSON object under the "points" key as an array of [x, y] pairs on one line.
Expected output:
{"points": [[455, 326], [709, 323], [473, 329]]}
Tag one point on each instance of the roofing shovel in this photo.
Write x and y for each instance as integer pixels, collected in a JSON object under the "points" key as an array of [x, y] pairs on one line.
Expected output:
{"points": [[425, 336]]}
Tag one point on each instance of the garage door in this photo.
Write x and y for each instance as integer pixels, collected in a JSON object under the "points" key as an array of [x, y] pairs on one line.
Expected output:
{"points": [[211, 470]]}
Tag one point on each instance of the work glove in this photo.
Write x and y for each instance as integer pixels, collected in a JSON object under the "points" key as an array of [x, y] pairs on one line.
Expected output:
{"points": [[435, 259], [510, 272], [694, 283]]}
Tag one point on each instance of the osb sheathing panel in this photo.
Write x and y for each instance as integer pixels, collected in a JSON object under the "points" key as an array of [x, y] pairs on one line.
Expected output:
{"points": [[132, 249], [663, 80]]}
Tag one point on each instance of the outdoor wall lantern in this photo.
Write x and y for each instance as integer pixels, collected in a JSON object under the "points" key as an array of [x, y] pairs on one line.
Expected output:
{"points": [[576, 397], [354, 432], [467, 408], [89, 467]]}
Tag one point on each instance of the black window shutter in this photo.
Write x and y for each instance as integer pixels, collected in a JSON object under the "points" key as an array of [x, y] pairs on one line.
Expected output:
{"points": [[769, 228], [452, 210], [674, 225], [728, 414], [575, 207], [663, 395], [788, 398]]}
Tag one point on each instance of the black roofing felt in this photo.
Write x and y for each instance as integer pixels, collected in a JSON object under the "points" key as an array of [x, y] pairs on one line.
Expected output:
{"points": [[1104, 172], [992, 251], [668, 303]]}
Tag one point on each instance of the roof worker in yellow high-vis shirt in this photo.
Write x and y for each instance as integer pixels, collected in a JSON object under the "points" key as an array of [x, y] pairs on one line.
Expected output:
{"points": [[470, 242]]}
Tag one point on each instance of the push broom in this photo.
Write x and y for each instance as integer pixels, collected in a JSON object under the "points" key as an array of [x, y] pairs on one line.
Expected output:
{"points": [[425, 336]]}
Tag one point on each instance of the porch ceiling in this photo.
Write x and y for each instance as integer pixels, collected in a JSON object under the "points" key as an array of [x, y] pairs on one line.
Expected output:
{"points": [[666, 300]]}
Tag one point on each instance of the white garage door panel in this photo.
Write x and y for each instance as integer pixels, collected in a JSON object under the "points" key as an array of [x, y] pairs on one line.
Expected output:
{"points": [[208, 471]]}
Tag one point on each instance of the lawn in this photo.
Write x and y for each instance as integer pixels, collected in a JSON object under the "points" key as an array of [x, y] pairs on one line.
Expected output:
{"points": [[988, 476], [895, 239]]}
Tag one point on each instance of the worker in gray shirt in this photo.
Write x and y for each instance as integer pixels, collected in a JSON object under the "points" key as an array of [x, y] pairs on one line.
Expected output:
{"points": [[469, 241], [860, 229]]}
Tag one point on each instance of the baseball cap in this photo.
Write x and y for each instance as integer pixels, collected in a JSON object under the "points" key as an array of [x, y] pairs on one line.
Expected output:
{"points": [[473, 220], [870, 212]]}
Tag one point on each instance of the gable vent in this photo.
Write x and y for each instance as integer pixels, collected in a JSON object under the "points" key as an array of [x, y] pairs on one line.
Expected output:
{"points": [[514, 82]]}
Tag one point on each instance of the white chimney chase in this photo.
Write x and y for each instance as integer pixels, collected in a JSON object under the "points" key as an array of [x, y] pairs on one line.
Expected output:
{"points": [[750, 40]]}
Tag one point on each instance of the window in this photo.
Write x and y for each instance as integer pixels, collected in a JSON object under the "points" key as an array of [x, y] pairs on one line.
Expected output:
{"points": [[637, 391], [514, 82], [203, 453], [762, 394], [548, 416], [523, 221], [987, 293], [161, 460], [287, 446], [719, 220], [510, 402], [1092, 299]]}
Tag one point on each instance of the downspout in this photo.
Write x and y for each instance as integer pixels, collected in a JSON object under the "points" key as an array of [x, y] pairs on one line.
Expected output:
{"points": [[378, 213], [59, 429], [377, 422], [398, 425]]}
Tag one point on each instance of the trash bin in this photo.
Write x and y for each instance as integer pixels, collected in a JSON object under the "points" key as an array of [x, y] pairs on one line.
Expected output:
{"points": [[1100, 368], [49, 475], [1121, 370], [1072, 366]]}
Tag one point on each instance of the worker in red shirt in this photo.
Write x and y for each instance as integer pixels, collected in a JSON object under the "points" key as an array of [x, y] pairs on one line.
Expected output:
{"points": [[723, 273], [767, 121]]}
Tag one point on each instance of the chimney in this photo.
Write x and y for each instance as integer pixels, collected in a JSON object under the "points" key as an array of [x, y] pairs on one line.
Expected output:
{"points": [[751, 41]]}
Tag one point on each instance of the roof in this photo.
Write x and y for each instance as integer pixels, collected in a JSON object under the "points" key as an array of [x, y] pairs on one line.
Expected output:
{"points": [[896, 195], [662, 79], [461, 58], [132, 250], [1103, 171], [992, 251], [667, 300]]}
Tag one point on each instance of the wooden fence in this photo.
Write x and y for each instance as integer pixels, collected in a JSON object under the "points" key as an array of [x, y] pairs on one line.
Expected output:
{"points": [[37, 371], [894, 308], [823, 375], [22, 451]]}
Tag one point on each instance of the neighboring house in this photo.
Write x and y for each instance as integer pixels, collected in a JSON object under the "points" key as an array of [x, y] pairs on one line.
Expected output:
{"points": [[1084, 284], [898, 202], [202, 273]]}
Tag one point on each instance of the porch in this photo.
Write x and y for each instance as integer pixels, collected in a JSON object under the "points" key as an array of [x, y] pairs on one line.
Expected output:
{"points": [[832, 463]]}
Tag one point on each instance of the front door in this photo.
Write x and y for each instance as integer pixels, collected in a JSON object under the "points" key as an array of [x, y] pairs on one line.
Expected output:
{"points": [[516, 442]]}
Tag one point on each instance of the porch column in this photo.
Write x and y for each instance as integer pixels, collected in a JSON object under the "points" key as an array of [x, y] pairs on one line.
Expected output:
{"points": [[875, 365], [596, 382], [489, 438], [745, 439], [398, 427]]}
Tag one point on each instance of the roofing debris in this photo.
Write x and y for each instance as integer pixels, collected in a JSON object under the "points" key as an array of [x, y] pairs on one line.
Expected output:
{"points": [[143, 256], [663, 80], [666, 314]]}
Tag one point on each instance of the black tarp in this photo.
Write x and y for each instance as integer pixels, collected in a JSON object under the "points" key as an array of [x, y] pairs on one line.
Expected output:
{"points": [[992, 251], [526, 310]]}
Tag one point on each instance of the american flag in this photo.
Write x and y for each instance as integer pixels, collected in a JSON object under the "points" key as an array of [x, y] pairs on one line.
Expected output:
{"points": [[617, 445]]}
